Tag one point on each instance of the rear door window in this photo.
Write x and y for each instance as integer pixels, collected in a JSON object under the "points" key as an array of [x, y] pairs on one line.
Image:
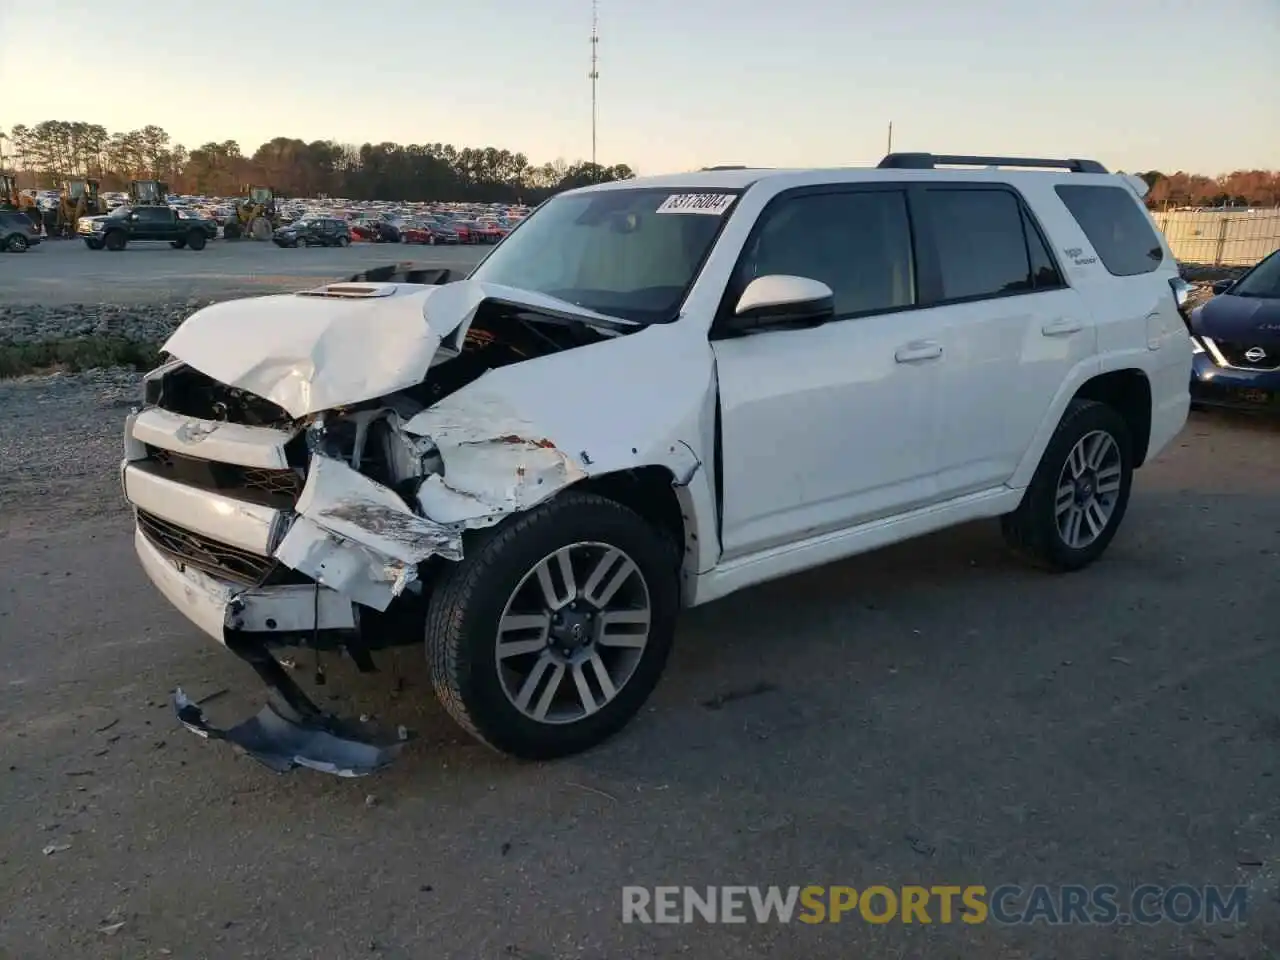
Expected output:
{"points": [[981, 243], [1119, 229]]}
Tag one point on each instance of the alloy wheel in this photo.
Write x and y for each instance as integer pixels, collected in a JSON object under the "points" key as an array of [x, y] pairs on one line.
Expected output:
{"points": [[573, 632]]}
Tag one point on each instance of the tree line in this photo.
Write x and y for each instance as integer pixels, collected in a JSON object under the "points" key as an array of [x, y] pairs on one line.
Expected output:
{"points": [[1242, 188], [53, 151]]}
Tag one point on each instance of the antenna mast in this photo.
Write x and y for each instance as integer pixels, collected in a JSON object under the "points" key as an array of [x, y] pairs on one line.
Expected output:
{"points": [[595, 73]]}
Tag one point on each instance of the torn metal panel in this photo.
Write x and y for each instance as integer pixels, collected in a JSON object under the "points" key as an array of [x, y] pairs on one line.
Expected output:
{"points": [[281, 743], [344, 566], [353, 507], [262, 447]]}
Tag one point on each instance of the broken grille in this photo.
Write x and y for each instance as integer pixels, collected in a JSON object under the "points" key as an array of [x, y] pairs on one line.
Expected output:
{"points": [[206, 555], [227, 476]]}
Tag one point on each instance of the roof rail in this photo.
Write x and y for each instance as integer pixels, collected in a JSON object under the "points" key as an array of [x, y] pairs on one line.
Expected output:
{"points": [[727, 166], [927, 161]]}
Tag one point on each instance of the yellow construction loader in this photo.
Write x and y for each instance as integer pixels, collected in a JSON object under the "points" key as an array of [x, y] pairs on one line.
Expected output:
{"points": [[256, 215], [79, 198]]}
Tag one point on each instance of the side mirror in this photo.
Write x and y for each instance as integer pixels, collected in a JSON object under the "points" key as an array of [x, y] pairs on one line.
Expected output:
{"points": [[779, 300], [1222, 286]]}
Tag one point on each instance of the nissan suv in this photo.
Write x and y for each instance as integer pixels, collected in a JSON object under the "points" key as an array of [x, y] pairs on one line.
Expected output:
{"points": [[651, 394]]}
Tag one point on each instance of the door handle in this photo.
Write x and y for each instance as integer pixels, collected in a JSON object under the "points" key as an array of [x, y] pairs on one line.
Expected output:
{"points": [[918, 350], [1062, 327]]}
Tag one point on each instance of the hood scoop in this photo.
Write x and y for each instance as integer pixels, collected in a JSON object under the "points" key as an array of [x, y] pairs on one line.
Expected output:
{"points": [[351, 291]]}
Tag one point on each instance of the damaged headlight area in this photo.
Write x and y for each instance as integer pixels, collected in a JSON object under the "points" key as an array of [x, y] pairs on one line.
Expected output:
{"points": [[272, 530]]}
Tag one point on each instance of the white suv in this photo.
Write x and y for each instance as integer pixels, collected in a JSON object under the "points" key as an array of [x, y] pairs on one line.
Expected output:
{"points": [[651, 394]]}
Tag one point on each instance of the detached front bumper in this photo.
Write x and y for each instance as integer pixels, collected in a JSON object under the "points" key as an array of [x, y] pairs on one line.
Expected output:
{"points": [[218, 607], [232, 548]]}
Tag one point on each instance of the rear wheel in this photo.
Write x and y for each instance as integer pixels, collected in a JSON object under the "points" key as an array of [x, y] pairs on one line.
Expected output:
{"points": [[260, 229], [231, 230], [1079, 493], [196, 239], [344, 241], [177, 244], [554, 628], [115, 240], [17, 244]]}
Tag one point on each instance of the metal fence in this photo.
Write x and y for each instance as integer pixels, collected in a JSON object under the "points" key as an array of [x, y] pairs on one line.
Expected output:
{"points": [[1220, 238]]}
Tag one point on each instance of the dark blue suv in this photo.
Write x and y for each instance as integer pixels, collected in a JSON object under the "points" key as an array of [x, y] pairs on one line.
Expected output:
{"points": [[1236, 339]]}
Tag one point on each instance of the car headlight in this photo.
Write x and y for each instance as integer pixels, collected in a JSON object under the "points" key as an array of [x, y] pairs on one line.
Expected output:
{"points": [[1196, 345]]}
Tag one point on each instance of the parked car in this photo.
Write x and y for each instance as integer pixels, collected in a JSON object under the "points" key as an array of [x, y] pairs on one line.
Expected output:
{"points": [[375, 230], [798, 366], [314, 232], [125, 225], [488, 232], [1236, 340], [418, 231], [17, 232]]}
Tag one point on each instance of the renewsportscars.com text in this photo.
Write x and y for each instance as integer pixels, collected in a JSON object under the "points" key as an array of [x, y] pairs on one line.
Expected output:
{"points": [[971, 904]]}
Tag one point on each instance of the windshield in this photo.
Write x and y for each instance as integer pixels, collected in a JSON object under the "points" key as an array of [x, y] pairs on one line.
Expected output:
{"points": [[1263, 281], [120, 212], [631, 253]]}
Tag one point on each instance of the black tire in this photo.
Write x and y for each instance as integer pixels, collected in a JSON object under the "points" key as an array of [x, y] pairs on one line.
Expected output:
{"points": [[231, 230], [17, 244], [469, 599], [196, 240], [177, 244], [344, 241], [1032, 530], [93, 244], [115, 241]]}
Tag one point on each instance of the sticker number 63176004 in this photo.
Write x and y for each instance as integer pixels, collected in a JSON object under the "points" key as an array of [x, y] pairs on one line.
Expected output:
{"points": [[712, 203]]}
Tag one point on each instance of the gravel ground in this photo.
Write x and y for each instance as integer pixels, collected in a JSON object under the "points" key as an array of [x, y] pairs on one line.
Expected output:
{"points": [[933, 713]]}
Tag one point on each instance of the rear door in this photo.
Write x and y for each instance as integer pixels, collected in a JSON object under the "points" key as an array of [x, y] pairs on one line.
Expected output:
{"points": [[1014, 330]]}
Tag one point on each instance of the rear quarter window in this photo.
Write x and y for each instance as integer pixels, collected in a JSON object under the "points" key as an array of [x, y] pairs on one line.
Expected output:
{"points": [[1117, 227]]}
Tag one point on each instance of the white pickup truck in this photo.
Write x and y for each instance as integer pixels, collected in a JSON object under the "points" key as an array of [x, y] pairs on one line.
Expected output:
{"points": [[651, 394]]}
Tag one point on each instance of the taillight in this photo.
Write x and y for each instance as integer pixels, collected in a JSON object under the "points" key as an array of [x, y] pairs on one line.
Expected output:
{"points": [[1181, 296]]}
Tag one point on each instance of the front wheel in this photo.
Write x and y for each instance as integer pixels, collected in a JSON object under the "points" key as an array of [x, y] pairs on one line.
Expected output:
{"points": [[93, 244], [344, 241], [552, 631], [17, 244], [115, 241], [177, 244], [196, 240], [1079, 492]]}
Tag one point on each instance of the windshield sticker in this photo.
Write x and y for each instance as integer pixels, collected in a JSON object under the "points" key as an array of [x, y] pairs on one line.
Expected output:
{"points": [[712, 203]]}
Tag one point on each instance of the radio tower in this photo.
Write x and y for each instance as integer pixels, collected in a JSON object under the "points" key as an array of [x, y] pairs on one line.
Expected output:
{"points": [[594, 74]]}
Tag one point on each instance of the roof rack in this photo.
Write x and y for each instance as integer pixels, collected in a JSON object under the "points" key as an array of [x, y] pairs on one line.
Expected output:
{"points": [[927, 161], [727, 166]]}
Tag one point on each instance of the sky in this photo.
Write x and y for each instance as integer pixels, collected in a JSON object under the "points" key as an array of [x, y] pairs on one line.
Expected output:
{"points": [[1137, 84]]}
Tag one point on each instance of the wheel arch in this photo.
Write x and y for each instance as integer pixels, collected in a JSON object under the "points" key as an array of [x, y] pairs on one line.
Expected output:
{"points": [[1128, 392]]}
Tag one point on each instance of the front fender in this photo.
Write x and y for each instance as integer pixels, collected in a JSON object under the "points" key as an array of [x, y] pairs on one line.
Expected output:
{"points": [[522, 433]]}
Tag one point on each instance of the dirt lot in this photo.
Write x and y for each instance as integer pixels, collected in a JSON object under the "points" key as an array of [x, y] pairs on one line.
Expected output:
{"points": [[934, 713]]}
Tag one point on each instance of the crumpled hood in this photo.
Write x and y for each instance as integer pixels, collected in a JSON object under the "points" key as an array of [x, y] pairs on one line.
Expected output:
{"points": [[308, 353]]}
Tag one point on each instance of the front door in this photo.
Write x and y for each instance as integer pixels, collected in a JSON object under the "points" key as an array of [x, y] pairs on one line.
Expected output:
{"points": [[831, 426]]}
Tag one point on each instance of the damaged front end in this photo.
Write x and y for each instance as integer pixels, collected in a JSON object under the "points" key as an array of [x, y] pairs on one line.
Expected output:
{"points": [[303, 461]]}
